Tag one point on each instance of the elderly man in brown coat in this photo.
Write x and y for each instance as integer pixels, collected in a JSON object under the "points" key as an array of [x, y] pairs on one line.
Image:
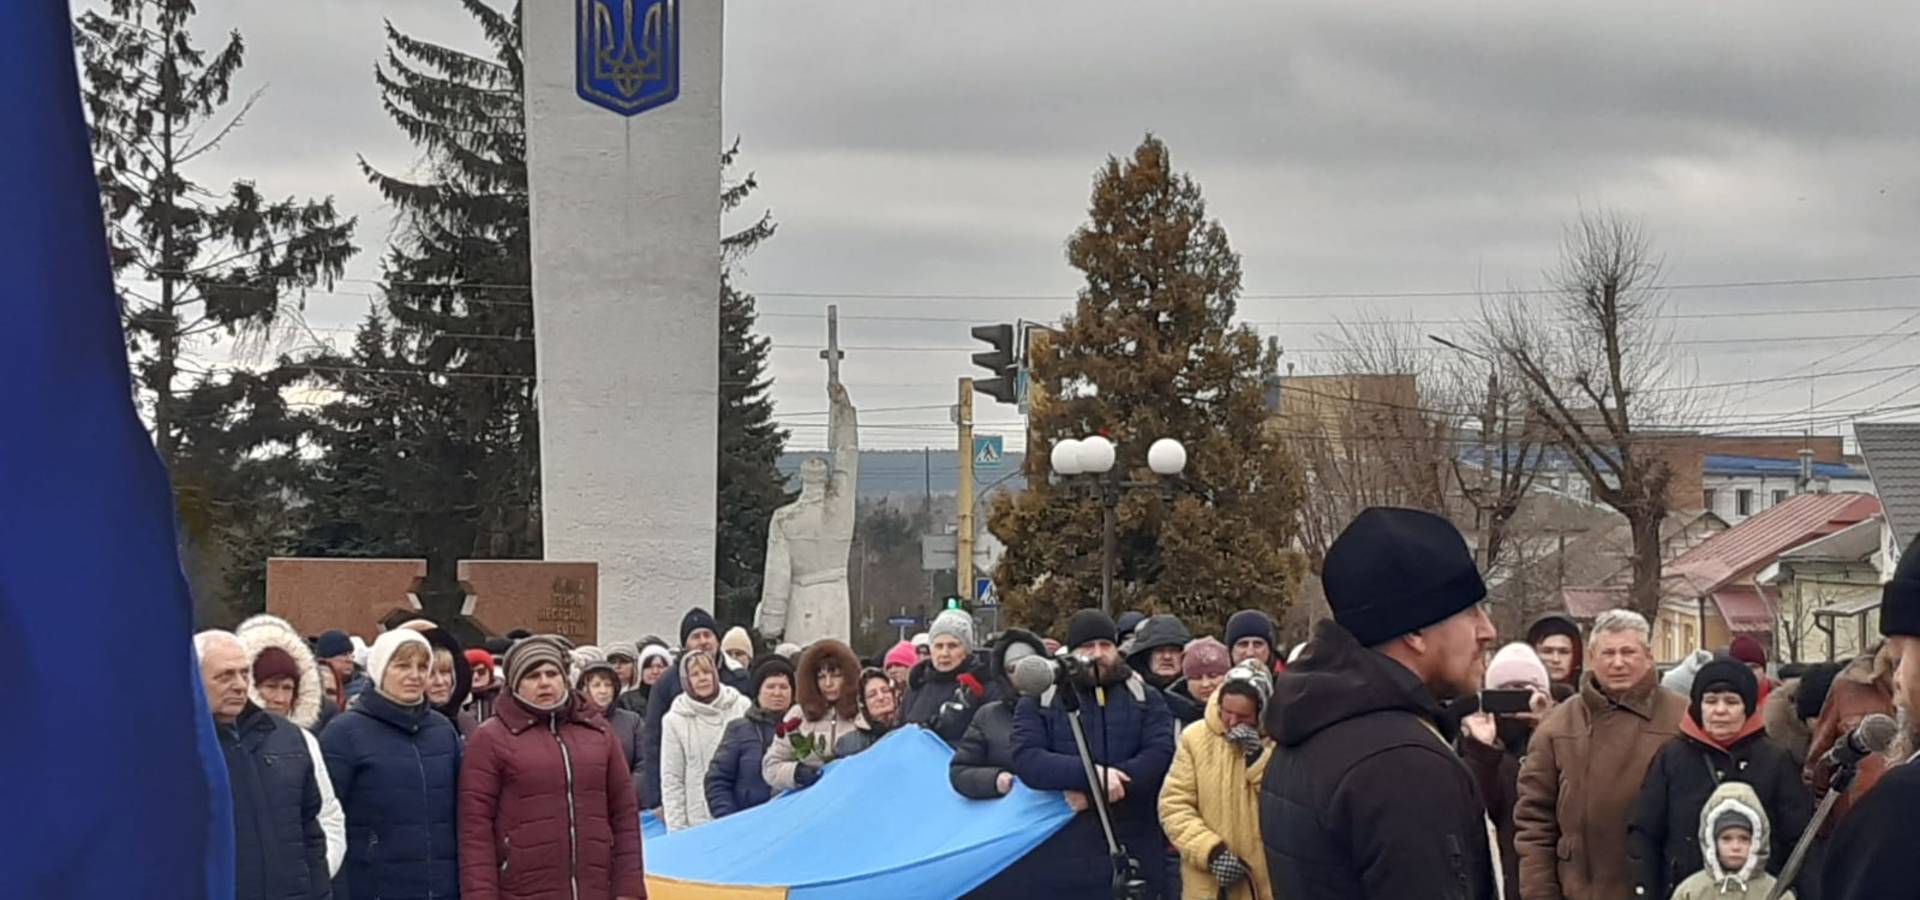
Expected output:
{"points": [[1584, 766]]}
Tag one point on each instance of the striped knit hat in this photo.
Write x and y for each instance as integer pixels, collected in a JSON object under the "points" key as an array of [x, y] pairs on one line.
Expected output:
{"points": [[528, 654]]}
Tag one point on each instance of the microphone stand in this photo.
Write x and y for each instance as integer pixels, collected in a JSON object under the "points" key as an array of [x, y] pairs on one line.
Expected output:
{"points": [[1127, 884], [1842, 780]]}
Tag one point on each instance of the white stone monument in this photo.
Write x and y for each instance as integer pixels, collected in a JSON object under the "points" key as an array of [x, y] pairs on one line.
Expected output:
{"points": [[804, 595], [623, 159]]}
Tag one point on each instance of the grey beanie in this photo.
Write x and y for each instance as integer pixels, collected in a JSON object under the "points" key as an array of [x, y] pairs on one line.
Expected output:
{"points": [[955, 623]]}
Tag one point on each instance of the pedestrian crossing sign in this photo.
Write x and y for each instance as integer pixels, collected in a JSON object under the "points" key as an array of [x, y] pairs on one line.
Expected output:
{"points": [[988, 451]]}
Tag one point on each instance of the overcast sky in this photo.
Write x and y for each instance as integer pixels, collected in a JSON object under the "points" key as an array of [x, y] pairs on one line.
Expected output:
{"points": [[910, 147]]}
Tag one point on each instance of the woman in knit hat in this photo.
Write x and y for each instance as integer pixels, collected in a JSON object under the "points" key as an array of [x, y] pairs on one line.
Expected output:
{"points": [[690, 734], [737, 648], [944, 690], [898, 662], [600, 681], [486, 685], [1210, 805], [394, 764], [734, 780], [546, 796], [878, 706], [1720, 740], [652, 663], [1203, 666], [1492, 746]]}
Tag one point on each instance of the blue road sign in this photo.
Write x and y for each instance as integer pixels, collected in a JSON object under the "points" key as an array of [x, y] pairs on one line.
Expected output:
{"points": [[988, 451], [982, 589], [903, 621]]}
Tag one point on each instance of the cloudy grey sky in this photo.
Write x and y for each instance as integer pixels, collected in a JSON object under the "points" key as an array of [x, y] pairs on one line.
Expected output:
{"points": [[910, 147]]}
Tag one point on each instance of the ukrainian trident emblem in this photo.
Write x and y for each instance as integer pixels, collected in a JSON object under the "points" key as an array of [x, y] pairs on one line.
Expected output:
{"points": [[627, 53]]}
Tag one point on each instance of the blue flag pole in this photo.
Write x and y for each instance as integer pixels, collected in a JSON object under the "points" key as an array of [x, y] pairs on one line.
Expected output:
{"points": [[110, 775]]}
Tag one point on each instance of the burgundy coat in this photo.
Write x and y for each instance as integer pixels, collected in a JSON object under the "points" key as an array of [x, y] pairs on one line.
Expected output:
{"points": [[519, 837]]}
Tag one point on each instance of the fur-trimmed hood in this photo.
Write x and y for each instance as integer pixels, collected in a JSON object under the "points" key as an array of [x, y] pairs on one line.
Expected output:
{"points": [[263, 631], [806, 686], [1740, 800]]}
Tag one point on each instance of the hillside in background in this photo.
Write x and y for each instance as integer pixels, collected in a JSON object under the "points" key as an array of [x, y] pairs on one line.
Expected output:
{"points": [[894, 473]]}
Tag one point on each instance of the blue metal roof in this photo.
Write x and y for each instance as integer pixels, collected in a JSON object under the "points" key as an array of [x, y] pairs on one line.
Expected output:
{"points": [[1721, 464]]}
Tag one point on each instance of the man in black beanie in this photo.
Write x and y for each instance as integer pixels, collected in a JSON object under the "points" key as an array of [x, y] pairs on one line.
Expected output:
{"points": [[1250, 636], [1873, 851], [1364, 796], [1130, 737]]}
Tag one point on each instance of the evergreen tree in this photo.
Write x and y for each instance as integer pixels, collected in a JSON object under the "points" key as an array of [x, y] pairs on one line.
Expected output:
{"points": [[196, 268], [432, 447], [750, 484], [1151, 352]]}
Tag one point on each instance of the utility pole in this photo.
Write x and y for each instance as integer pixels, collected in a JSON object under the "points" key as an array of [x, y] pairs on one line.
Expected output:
{"points": [[963, 500]]}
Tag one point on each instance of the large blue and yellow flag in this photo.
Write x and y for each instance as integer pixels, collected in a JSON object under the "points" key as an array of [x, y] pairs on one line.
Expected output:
{"points": [[932, 844], [110, 777]]}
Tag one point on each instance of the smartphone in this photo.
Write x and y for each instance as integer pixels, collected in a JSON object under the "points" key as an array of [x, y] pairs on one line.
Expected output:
{"points": [[1506, 703]]}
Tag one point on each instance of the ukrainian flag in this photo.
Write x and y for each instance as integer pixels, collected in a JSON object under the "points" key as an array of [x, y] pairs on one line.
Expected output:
{"points": [[111, 781], [885, 823]]}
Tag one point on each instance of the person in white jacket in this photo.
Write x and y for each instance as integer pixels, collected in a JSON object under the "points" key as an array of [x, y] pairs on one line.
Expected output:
{"points": [[286, 682], [689, 735]]}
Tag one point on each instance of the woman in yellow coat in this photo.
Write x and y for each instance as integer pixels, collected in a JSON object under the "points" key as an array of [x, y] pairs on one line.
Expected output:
{"points": [[1210, 804]]}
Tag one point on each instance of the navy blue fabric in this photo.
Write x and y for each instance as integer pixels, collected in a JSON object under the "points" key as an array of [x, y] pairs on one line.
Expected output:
{"points": [[280, 853], [1134, 735], [395, 770], [734, 781]]}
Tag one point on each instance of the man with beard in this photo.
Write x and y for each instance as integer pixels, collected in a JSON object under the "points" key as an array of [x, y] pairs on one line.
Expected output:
{"points": [[1364, 796], [1130, 737], [1155, 654], [1873, 851]]}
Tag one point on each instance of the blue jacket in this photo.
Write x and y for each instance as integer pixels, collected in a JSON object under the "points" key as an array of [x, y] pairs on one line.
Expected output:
{"points": [[280, 853], [395, 770], [734, 780], [1132, 732]]}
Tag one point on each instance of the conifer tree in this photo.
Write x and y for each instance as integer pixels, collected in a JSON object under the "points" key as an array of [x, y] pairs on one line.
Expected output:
{"points": [[1151, 351]]}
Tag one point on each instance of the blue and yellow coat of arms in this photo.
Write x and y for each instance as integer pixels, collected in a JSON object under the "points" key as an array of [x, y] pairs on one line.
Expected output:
{"points": [[627, 53]]}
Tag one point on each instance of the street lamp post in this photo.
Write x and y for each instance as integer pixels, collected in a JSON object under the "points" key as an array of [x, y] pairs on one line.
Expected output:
{"points": [[1094, 456]]}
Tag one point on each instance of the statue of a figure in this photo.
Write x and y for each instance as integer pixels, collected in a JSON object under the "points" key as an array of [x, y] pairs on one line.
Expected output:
{"points": [[804, 596]]}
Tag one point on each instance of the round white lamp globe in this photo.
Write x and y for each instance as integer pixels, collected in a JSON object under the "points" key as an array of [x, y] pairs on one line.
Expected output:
{"points": [[1096, 455], [1167, 457], [1066, 457]]}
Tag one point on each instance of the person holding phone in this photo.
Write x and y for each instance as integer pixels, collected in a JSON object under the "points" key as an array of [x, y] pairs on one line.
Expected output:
{"points": [[1493, 739]]}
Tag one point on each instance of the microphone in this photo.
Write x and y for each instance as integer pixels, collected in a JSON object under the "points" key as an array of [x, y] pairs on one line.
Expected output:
{"points": [[1874, 734], [1032, 675]]}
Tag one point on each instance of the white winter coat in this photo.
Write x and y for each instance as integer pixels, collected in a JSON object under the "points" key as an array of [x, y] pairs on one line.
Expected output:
{"points": [[689, 734]]}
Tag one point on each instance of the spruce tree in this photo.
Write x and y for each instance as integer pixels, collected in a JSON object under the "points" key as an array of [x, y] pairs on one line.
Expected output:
{"points": [[432, 447], [750, 443], [1151, 351]]}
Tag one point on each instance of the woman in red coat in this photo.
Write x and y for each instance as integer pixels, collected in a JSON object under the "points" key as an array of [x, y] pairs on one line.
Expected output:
{"points": [[546, 802]]}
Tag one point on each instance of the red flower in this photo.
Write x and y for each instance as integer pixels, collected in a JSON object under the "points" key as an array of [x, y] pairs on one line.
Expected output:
{"points": [[972, 685], [785, 727]]}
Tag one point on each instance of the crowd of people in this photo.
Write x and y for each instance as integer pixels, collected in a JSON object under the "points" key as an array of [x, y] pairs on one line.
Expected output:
{"points": [[1396, 754]]}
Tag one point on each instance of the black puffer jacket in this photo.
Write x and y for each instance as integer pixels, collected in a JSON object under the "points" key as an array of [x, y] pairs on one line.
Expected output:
{"points": [[1181, 704], [929, 689], [280, 852], [1364, 797], [986, 750], [1663, 839], [734, 782]]}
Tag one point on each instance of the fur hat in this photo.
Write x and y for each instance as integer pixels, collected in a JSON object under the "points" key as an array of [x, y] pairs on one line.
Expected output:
{"points": [[901, 655], [1205, 658], [262, 632], [1395, 571], [954, 623], [1516, 663], [806, 686]]}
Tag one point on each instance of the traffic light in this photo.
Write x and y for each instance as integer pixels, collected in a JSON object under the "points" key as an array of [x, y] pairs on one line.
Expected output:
{"points": [[1003, 361], [954, 602]]}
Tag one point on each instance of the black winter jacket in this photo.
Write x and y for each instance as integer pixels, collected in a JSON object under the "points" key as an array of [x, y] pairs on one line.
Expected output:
{"points": [[929, 689], [631, 729], [665, 691], [1130, 731], [734, 779], [396, 771], [280, 852], [1181, 704], [1873, 850], [984, 752], [1364, 796], [1663, 838]]}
